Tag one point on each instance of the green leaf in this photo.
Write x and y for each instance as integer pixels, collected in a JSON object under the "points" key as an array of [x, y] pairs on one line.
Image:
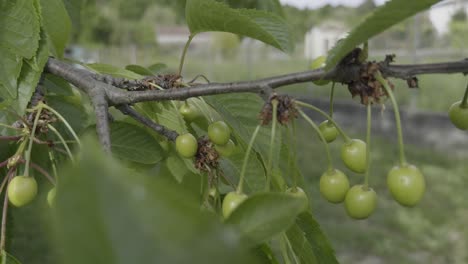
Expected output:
{"points": [[205, 109], [113, 70], [240, 111], [30, 76], [309, 242], [72, 109], [273, 6], [157, 68], [176, 166], [127, 217], [382, 18], [255, 178], [74, 10], [139, 70], [134, 143], [19, 27], [57, 24], [179, 167], [57, 86], [209, 15], [163, 113], [8, 259], [264, 215], [9, 73]]}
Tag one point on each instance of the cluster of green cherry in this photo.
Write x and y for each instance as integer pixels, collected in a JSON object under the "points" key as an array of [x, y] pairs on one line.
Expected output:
{"points": [[22, 189], [405, 181], [218, 132]]}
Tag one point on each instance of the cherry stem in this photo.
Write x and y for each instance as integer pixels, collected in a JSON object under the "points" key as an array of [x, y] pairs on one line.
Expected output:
{"points": [[10, 127], [378, 77], [284, 250], [464, 102], [332, 95], [31, 141], [64, 121], [246, 160], [290, 248], [294, 150], [318, 110], [8, 178], [272, 143], [368, 141], [327, 148], [4, 213], [182, 59], [41, 170], [52, 161], [63, 142]]}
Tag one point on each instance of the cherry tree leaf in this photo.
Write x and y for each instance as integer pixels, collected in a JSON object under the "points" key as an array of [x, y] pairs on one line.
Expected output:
{"points": [[382, 18], [209, 15]]}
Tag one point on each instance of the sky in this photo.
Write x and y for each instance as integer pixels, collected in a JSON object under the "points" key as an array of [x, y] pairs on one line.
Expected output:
{"points": [[440, 15]]}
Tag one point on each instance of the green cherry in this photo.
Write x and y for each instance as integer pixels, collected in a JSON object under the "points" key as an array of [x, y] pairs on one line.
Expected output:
{"points": [[186, 145], [459, 115], [226, 150], [299, 193], [406, 184], [22, 190], [360, 202], [189, 112], [353, 154], [219, 133], [231, 201], [328, 130], [317, 63], [334, 185]]}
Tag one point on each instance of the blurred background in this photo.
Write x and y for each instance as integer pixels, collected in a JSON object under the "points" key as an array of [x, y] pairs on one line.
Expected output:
{"points": [[145, 32]]}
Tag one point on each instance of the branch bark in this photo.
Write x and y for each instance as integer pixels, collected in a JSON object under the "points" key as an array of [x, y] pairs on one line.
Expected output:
{"points": [[103, 93], [344, 74], [162, 130]]}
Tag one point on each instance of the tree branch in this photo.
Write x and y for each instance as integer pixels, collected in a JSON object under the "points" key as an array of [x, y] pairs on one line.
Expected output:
{"points": [[164, 131], [407, 71], [343, 74], [96, 91], [103, 93]]}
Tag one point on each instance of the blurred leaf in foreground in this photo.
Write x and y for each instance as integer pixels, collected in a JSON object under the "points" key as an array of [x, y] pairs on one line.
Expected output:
{"points": [[105, 213]]}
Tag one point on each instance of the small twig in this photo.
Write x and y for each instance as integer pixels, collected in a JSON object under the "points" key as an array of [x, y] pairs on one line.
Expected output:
{"points": [[41, 170], [10, 138], [64, 152], [200, 76], [4, 163], [162, 130]]}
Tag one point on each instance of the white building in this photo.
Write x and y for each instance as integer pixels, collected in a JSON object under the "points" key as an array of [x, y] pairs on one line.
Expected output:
{"points": [[318, 40]]}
